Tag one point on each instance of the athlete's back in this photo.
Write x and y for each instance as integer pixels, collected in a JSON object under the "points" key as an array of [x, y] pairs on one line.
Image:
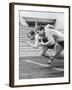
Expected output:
{"points": [[53, 33]]}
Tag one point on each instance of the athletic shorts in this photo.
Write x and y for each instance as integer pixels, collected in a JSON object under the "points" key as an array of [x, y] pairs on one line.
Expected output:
{"points": [[51, 46], [61, 43]]}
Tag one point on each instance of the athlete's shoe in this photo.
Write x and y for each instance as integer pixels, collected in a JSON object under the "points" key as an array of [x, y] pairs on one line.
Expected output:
{"points": [[50, 60]]}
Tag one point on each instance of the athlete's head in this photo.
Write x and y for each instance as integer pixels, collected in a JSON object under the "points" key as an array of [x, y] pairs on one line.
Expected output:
{"points": [[40, 30], [31, 35]]}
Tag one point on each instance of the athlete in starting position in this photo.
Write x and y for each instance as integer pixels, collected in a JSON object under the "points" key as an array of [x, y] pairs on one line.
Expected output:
{"points": [[39, 39], [54, 36]]}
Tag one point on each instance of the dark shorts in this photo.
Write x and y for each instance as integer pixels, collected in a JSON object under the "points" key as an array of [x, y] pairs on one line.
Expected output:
{"points": [[51, 46], [61, 43]]}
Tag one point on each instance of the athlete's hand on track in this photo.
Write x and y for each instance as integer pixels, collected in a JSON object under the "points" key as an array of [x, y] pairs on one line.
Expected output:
{"points": [[28, 42]]}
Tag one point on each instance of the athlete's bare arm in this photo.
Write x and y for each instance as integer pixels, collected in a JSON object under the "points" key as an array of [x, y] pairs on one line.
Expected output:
{"points": [[36, 44]]}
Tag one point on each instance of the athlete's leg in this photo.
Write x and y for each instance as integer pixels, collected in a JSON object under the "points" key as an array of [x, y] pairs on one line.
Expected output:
{"points": [[58, 50], [44, 51]]}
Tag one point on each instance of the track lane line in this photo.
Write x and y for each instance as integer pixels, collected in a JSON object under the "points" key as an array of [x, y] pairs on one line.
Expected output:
{"points": [[59, 69], [44, 65]]}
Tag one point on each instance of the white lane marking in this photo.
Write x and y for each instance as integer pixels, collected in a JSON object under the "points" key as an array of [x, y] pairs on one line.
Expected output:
{"points": [[59, 69], [44, 65]]}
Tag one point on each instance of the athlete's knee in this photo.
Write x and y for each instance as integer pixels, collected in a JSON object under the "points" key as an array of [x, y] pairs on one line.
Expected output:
{"points": [[43, 53]]}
